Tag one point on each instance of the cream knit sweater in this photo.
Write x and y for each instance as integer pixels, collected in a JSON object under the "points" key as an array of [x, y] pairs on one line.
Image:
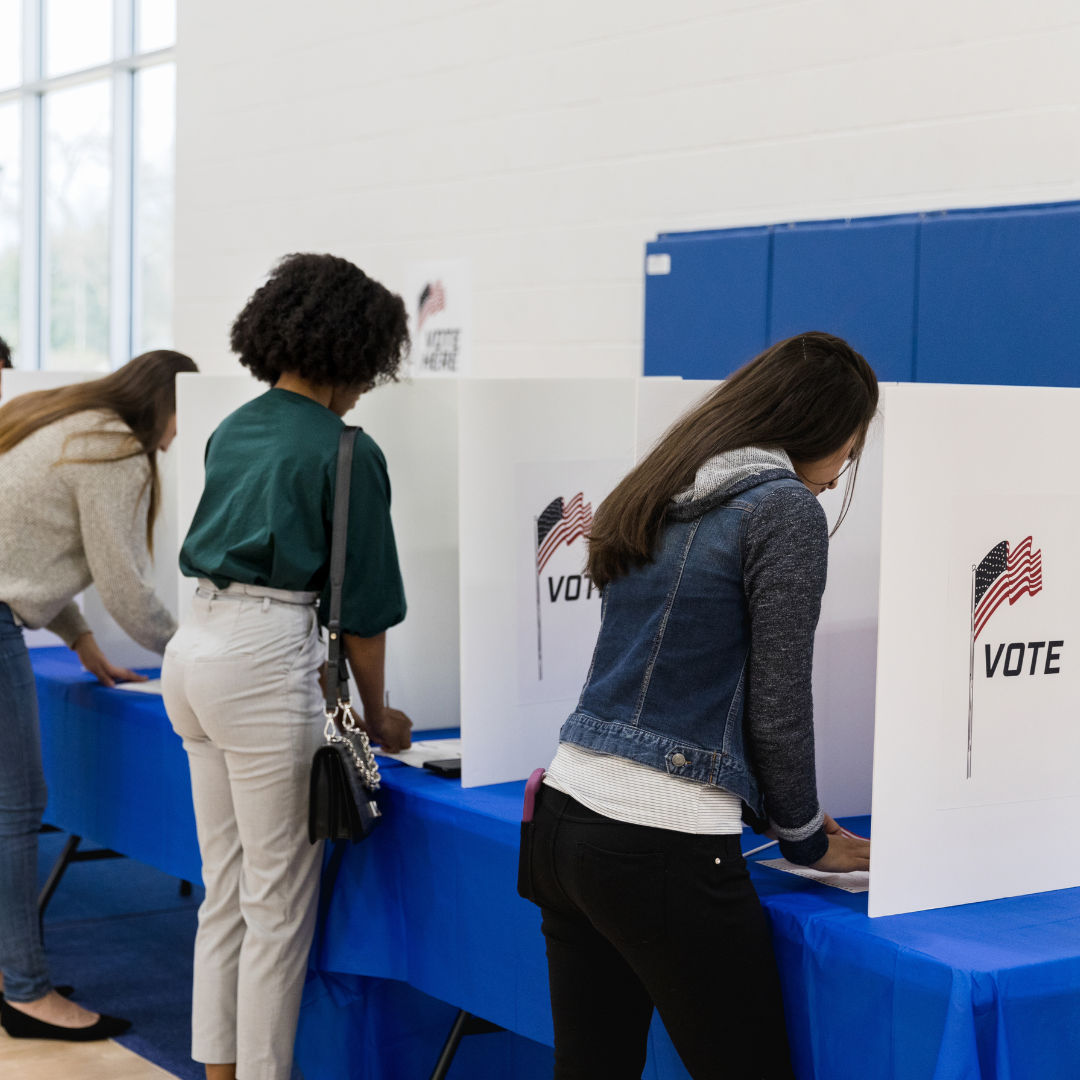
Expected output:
{"points": [[64, 525]]}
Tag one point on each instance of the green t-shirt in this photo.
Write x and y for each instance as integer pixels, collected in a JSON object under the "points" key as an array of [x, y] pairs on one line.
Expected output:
{"points": [[266, 512]]}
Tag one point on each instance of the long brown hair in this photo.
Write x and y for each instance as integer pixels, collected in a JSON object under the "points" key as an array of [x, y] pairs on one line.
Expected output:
{"points": [[142, 394], [807, 395]]}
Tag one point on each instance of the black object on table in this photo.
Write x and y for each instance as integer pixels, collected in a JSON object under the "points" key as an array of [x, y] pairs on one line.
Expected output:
{"points": [[448, 767]]}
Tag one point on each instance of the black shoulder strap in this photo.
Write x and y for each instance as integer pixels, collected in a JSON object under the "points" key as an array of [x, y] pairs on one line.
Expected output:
{"points": [[337, 672]]}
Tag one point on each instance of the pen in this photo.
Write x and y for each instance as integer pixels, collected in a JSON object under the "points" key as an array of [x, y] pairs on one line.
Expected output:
{"points": [[754, 851]]}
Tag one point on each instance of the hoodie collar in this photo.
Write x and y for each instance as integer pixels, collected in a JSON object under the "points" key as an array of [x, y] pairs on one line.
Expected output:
{"points": [[724, 471]]}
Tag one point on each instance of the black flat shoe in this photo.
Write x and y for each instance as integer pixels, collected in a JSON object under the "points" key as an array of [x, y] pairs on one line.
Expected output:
{"points": [[21, 1026]]}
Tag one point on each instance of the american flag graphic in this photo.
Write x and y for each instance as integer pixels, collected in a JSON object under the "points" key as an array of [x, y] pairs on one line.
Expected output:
{"points": [[561, 523], [432, 301], [1005, 574]]}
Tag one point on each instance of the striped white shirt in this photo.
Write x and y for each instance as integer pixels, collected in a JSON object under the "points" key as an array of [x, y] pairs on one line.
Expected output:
{"points": [[639, 795]]}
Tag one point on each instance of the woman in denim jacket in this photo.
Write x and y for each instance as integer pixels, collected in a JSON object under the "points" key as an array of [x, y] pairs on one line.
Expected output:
{"points": [[697, 713]]}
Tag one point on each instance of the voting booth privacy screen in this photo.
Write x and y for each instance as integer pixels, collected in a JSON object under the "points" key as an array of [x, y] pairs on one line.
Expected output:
{"points": [[537, 457], [976, 733], [415, 424]]}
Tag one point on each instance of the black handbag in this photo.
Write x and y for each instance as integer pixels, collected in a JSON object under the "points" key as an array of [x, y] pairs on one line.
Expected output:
{"points": [[344, 775]]}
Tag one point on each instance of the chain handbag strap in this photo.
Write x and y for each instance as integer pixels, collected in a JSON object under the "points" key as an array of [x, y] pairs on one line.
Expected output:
{"points": [[340, 727]]}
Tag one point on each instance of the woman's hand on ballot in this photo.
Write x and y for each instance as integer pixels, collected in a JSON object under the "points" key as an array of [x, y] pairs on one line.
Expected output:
{"points": [[845, 852], [392, 730]]}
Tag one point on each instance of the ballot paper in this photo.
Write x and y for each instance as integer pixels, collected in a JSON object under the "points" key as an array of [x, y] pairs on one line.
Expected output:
{"points": [[425, 750], [855, 881], [151, 687]]}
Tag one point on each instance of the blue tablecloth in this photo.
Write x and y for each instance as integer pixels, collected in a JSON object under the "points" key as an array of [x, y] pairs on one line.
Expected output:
{"points": [[425, 919], [116, 770]]}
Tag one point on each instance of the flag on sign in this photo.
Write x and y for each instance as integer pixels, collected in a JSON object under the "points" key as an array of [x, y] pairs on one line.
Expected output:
{"points": [[1005, 575], [432, 301], [559, 524]]}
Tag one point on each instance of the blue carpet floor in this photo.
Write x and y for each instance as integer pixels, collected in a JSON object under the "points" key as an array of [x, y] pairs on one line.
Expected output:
{"points": [[122, 935]]}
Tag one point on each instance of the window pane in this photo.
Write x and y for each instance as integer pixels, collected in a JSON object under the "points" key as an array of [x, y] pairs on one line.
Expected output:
{"points": [[78, 189], [156, 24], [10, 43], [78, 34], [155, 126], [9, 223]]}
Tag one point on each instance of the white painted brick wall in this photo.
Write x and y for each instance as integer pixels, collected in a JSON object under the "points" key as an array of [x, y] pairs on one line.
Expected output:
{"points": [[547, 140]]}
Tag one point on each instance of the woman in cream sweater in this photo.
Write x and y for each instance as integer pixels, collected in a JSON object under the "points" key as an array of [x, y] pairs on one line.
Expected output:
{"points": [[78, 497]]}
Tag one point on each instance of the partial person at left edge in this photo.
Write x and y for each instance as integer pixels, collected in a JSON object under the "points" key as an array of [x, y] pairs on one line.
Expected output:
{"points": [[5, 360], [79, 493]]}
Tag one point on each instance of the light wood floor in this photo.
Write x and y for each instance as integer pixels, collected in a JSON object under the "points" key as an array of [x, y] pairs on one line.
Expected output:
{"points": [[44, 1059]]}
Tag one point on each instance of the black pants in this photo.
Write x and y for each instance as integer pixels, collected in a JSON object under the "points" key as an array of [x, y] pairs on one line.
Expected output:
{"points": [[636, 917]]}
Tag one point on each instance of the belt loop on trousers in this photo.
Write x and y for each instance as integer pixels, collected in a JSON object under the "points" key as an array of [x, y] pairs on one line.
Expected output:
{"points": [[266, 604]]}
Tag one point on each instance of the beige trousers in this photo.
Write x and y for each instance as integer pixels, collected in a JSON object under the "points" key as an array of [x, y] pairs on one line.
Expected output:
{"points": [[240, 681]]}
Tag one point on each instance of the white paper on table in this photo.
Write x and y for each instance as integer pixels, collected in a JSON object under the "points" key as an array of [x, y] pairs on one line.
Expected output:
{"points": [[855, 881], [426, 750], [153, 686]]}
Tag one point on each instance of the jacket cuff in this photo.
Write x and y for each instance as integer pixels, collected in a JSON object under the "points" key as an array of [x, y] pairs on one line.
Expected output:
{"points": [[808, 851]]}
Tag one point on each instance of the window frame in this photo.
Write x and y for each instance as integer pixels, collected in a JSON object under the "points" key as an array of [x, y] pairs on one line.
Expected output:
{"points": [[121, 71]]}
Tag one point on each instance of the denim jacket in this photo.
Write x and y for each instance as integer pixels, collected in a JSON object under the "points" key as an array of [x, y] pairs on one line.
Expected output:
{"points": [[721, 619]]}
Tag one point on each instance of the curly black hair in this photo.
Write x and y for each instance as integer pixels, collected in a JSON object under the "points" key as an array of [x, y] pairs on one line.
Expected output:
{"points": [[5, 354], [324, 319]]}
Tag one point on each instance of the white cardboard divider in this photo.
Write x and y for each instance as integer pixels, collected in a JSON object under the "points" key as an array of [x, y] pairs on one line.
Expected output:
{"points": [[845, 651], [114, 641], [660, 402], [415, 424], [966, 471], [526, 444], [16, 381], [845, 647], [202, 402], [536, 459], [507, 732]]}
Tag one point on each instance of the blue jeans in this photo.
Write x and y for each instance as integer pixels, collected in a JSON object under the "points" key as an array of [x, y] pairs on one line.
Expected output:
{"points": [[22, 803]]}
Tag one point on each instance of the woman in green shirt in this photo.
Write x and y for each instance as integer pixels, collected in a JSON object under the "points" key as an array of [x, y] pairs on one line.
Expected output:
{"points": [[241, 676]]}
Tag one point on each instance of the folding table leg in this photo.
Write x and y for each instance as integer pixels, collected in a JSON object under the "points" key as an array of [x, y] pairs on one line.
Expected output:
{"points": [[464, 1024], [55, 876], [453, 1041], [68, 855]]}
